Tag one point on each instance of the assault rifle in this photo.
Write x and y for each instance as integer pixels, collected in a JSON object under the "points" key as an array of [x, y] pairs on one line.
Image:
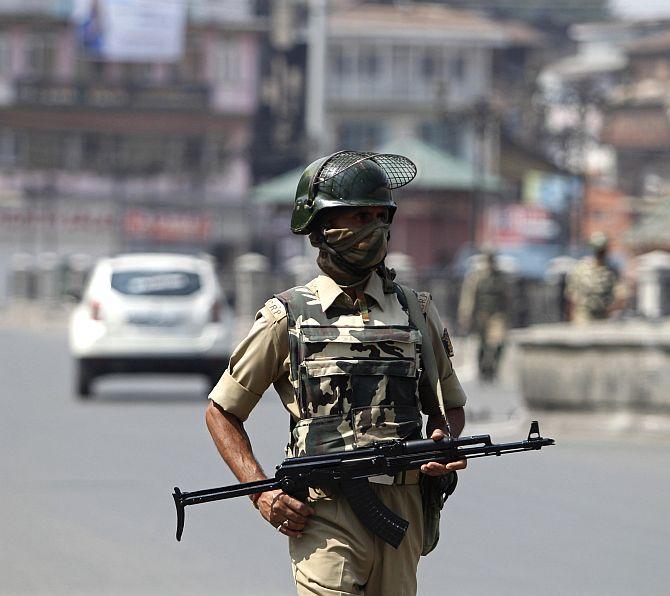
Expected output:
{"points": [[349, 471]]}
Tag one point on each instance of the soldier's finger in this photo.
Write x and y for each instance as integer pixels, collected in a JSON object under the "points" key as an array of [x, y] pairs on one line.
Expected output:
{"points": [[434, 469], [287, 531], [461, 464], [285, 512], [437, 469], [437, 435], [296, 518], [298, 506], [291, 525]]}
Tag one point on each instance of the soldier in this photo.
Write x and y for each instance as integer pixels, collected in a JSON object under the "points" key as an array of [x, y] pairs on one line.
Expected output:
{"points": [[483, 308], [354, 358], [591, 284]]}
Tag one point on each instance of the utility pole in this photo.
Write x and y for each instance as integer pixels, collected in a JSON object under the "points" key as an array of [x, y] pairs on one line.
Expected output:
{"points": [[317, 41], [479, 169]]}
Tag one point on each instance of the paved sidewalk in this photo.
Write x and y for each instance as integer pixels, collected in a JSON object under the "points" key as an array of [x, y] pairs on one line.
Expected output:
{"points": [[499, 408], [35, 316]]}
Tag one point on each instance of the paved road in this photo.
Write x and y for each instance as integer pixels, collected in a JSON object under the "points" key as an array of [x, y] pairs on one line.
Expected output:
{"points": [[85, 507]]}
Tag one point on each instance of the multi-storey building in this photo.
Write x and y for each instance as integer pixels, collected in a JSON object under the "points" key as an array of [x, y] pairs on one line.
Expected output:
{"points": [[394, 72], [636, 122], [98, 155], [415, 69]]}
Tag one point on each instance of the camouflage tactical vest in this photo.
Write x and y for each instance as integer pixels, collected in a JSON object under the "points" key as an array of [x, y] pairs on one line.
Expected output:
{"points": [[354, 384]]}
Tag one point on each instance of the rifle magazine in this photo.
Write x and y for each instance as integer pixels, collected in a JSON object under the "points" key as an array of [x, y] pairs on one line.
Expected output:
{"points": [[372, 513]]}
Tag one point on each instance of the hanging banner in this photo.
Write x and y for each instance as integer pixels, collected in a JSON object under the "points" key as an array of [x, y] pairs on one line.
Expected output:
{"points": [[131, 30]]}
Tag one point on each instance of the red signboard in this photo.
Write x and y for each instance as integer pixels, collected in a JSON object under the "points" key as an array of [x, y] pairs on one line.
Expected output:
{"points": [[167, 227]]}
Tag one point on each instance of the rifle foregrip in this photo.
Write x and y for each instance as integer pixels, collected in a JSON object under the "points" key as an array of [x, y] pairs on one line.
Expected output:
{"points": [[372, 513]]}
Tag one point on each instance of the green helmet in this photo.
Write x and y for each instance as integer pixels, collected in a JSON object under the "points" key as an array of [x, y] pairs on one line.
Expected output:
{"points": [[348, 179]]}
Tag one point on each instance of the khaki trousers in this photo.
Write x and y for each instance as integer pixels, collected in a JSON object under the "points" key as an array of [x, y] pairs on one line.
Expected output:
{"points": [[338, 556]]}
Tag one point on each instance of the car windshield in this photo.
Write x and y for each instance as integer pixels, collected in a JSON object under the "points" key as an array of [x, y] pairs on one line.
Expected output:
{"points": [[156, 283]]}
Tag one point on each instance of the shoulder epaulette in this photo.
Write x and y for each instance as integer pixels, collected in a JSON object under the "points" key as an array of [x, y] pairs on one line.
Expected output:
{"points": [[276, 309], [424, 301]]}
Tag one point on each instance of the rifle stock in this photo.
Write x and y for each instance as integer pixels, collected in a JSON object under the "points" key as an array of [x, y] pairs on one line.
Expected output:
{"points": [[350, 470]]}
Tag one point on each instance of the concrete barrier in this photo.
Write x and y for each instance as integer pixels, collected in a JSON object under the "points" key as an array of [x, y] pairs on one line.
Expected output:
{"points": [[601, 366]]}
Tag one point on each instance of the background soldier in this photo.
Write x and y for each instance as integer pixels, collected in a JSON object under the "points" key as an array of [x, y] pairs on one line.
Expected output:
{"points": [[591, 284], [483, 308], [344, 353]]}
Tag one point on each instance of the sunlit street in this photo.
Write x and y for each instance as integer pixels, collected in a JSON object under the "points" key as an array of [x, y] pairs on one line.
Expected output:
{"points": [[87, 494]]}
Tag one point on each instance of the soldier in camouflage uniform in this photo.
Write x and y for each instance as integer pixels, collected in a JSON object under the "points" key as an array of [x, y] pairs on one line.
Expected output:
{"points": [[591, 284], [483, 308], [355, 358]]}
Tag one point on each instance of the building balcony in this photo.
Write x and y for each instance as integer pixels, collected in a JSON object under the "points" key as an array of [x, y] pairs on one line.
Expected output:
{"points": [[111, 96], [401, 95]]}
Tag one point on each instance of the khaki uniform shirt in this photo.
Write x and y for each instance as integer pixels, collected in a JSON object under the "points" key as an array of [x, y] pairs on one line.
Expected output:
{"points": [[262, 358]]}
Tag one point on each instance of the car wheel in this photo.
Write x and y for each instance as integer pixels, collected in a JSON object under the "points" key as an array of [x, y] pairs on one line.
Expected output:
{"points": [[85, 377]]}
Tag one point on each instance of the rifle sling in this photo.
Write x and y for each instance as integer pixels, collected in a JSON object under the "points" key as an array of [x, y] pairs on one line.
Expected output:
{"points": [[408, 298]]}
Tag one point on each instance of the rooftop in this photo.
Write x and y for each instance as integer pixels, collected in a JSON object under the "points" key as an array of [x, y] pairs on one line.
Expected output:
{"points": [[437, 171], [429, 21]]}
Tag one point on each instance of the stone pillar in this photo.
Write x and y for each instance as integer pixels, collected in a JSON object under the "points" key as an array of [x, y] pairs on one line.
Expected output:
{"points": [[77, 269], [251, 291], [48, 278], [404, 267], [653, 284], [21, 277], [302, 268]]}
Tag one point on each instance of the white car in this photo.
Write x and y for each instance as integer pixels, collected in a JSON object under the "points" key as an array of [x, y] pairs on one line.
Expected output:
{"points": [[150, 313]]}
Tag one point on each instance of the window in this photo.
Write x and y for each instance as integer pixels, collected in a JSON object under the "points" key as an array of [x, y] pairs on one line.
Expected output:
{"points": [[156, 283], [431, 64], [8, 148], [40, 54], [401, 61], [457, 67], [42, 150], [228, 60], [341, 60], [400, 69], [368, 62], [360, 135], [193, 153], [72, 146], [5, 55], [140, 154], [448, 134]]}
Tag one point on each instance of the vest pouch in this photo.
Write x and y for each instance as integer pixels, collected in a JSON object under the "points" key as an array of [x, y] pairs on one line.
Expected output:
{"points": [[385, 422], [325, 434], [336, 386]]}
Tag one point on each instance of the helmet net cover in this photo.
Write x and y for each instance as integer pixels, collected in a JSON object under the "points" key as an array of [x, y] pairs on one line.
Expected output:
{"points": [[399, 170]]}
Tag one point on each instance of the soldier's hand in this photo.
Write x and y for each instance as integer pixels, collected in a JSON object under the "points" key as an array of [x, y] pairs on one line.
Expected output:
{"points": [[434, 468], [284, 512]]}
